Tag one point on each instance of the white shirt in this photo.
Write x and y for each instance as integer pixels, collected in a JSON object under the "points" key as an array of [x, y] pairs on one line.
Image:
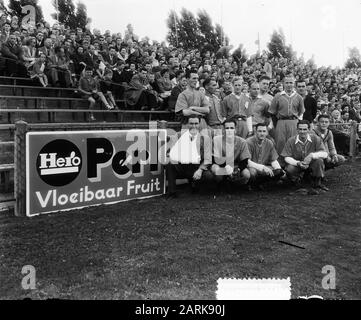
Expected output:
{"points": [[185, 150]]}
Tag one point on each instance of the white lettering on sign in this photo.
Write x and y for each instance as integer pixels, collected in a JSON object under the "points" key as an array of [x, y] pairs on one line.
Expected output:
{"points": [[52, 198], [50, 164], [30, 18], [29, 281]]}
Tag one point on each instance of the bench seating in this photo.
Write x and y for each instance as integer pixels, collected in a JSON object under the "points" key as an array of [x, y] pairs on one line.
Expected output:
{"points": [[15, 113], [5, 170]]}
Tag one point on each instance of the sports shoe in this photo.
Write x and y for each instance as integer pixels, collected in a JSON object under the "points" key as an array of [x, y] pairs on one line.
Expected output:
{"points": [[313, 192], [323, 187]]}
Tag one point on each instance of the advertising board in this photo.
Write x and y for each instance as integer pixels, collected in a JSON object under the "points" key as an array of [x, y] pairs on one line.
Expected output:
{"points": [[74, 169]]}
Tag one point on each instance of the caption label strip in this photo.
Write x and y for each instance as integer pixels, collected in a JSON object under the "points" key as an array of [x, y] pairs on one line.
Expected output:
{"points": [[254, 289]]}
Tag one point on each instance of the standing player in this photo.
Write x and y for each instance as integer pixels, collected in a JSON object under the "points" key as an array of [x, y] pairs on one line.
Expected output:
{"points": [[192, 102], [264, 87], [214, 117], [237, 106], [309, 102], [259, 106], [286, 109]]}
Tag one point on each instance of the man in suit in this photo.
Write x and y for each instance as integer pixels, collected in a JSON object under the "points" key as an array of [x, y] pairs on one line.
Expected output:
{"points": [[39, 40], [14, 63], [110, 58], [309, 102]]}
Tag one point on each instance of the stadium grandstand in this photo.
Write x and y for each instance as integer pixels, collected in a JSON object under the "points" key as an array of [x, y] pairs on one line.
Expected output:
{"points": [[51, 74]]}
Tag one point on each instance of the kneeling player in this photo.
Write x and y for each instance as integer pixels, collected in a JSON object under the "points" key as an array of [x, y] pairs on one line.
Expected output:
{"points": [[190, 157], [263, 165], [333, 159], [305, 152], [230, 156]]}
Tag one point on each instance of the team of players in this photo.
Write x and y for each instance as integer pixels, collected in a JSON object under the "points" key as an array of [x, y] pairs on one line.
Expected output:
{"points": [[230, 141]]}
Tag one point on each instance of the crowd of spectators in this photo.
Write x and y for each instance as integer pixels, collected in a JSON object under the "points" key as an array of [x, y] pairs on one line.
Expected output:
{"points": [[150, 75]]}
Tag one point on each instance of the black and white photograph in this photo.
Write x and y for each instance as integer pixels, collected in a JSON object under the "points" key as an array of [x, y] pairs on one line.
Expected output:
{"points": [[180, 150]]}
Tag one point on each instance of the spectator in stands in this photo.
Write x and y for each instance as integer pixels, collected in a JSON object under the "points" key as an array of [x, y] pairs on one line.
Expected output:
{"points": [[3, 20], [154, 84], [39, 40], [118, 45], [354, 112], [139, 94], [110, 58], [29, 53], [60, 73], [180, 87], [14, 63], [89, 89], [120, 79], [90, 55], [37, 72], [106, 87], [48, 48], [100, 67], [5, 32], [123, 55], [165, 87], [78, 61], [15, 24], [267, 67]]}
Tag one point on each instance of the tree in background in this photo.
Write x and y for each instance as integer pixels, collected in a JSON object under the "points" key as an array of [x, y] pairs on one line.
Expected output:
{"points": [[15, 8], [240, 55], [277, 45], [222, 39], [65, 11], [194, 32], [354, 59], [173, 25], [69, 16], [82, 18], [206, 29], [189, 34], [3, 8]]}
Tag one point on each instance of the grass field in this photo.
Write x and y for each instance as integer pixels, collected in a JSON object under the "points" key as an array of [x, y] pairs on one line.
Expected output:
{"points": [[160, 249]]}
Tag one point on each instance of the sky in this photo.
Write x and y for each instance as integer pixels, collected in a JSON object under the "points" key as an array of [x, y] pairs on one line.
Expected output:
{"points": [[323, 28]]}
